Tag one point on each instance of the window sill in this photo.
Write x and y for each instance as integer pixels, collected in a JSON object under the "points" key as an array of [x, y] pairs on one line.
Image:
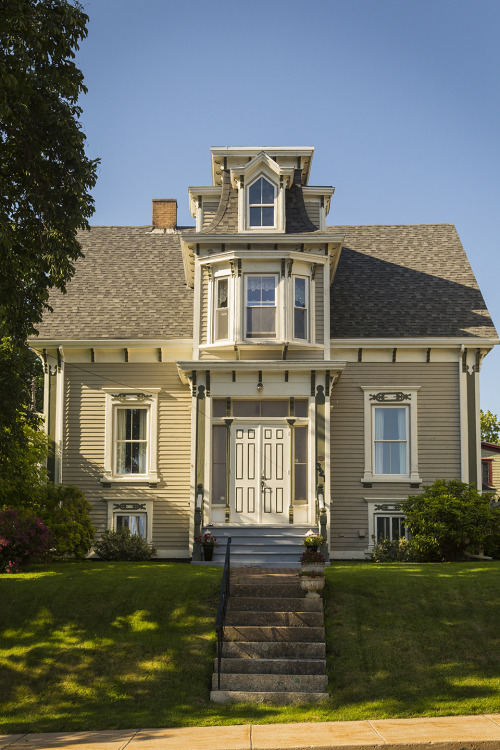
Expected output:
{"points": [[129, 478], [393, 478]]}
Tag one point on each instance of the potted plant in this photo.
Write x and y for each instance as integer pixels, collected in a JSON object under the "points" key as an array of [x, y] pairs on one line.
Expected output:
{"points": [[312, 560], [312, 582], [208, 542], [312, 540]]}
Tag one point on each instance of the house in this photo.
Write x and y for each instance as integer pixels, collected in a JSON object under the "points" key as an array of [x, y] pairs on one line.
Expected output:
{"points": [[263, 368], [490, 466]]}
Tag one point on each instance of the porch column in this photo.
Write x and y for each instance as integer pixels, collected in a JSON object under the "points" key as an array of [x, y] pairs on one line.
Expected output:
{"points": [[228, 421], [199, 467], [291, 422]]}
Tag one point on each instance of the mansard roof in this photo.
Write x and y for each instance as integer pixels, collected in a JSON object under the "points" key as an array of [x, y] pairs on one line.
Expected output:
{"points": [[391, 281]]}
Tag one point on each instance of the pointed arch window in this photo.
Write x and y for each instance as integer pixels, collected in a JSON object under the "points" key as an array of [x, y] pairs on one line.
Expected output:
{"points": [[261, 203]]}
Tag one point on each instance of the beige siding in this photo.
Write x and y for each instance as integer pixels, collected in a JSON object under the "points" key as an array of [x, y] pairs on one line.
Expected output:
{"points": [[495, 467], [438, 439], [209, 211], [319, 305], [204, 297], [313, 209], [84, 433]]}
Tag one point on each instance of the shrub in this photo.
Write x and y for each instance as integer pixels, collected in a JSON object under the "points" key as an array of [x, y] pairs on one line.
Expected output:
{"points": [[450, 517], [405, 550], [122, 545], [66, 512], [24, 538]]}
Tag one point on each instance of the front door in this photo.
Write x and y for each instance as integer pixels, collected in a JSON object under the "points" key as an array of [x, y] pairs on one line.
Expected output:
{"points": [[260, 471]]}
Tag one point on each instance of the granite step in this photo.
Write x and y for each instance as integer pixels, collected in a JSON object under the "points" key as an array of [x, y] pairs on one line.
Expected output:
{"points": [[274, 604], [271, 666], [273, 650], [272, 697], [315, 683], [274, 633], [291, 619]]}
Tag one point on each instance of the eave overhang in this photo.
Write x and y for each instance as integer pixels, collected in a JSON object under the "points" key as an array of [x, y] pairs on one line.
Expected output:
{"points": [[186, 368], [323, 243], [228, 157]]}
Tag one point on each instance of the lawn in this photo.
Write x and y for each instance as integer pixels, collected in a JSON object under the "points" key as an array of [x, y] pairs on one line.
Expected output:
{"points": [[96, 645]]}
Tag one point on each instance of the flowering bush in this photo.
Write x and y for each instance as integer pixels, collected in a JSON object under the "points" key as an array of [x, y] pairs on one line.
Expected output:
{"points": [[312, 556], [207, 538], [311, 574], [24, 538], [313, 540]]}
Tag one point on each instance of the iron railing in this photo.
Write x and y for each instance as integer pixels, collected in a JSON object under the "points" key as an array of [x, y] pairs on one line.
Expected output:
{"points": [[221, 612]]}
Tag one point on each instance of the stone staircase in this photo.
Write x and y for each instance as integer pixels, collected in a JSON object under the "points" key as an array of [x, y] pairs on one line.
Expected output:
{"points": [[274, 643], [264, 546]]}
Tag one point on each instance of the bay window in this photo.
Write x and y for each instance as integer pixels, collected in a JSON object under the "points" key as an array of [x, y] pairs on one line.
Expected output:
{"points": [[221, 316]]}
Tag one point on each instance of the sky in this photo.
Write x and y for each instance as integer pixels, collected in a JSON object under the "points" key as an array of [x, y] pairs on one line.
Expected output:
{"points": [[400, 99]]}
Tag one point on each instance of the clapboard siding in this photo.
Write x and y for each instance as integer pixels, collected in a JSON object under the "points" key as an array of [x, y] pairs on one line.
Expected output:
{"points": [[438, 439], [204, 306], [209, 211], [84, 434], [319, 305], [313, 209]]}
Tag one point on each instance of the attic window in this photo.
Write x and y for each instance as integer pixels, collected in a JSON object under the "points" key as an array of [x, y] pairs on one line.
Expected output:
{"points": [[261, 199]]}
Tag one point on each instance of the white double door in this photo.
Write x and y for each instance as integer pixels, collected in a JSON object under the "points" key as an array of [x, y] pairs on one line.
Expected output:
{"points": [[260, 473]]}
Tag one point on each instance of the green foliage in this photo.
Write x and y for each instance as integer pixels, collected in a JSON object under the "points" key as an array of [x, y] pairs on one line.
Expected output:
{"points": [[65, 511], [45, 174], [122, 545], [19, 368], [24, 538], [448, 518], [22, 472], [406, 550], [490, 427], [311, 556]]}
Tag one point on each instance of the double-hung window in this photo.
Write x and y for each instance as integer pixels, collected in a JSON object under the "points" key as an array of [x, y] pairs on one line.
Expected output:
{"points": [[390, 439], [261, 203], [260, 306], [131, 435], [301, 308], [221, 311], [131, 443], [391, 449]]}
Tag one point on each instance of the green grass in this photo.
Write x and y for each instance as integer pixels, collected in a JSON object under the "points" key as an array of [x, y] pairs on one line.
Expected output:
{"points": [[119, 645]]}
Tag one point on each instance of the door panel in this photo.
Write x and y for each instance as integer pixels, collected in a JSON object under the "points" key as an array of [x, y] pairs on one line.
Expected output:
{"points": [[260, 456]]}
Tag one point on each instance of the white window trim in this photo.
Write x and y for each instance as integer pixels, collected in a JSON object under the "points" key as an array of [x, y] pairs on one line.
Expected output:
{"points": [[393, 397], [278, 308], [308, 308], [376, 508], [275, 187], [279, 204], [131, 398], [131, 506], [212, 318]]}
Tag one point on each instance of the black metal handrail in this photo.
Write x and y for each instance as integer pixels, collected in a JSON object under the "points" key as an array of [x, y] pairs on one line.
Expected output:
{"points": [[221, 611]]}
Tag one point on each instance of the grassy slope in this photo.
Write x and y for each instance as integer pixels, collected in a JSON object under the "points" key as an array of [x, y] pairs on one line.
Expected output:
{"points": [[102, 645]]}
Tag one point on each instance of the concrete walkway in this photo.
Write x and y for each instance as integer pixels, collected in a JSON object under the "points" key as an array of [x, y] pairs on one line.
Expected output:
{"points": [[441, 733]]}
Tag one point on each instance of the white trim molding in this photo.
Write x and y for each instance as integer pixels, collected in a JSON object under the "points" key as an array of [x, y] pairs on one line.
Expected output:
{"points": [[381, 506], [132, 398], [133, 506], [391, 396]]}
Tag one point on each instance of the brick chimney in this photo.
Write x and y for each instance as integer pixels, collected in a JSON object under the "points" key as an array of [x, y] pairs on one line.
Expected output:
{"points": [[164, 213]]}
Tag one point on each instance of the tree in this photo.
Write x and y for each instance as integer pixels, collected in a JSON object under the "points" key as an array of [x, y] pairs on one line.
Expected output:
{"points": [[490, 427], [44, 172], [45, 179]]}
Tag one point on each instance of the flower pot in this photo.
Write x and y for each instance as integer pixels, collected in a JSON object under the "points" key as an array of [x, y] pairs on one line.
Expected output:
{"points": [[313, 567], [312, 586], [208, 551]]}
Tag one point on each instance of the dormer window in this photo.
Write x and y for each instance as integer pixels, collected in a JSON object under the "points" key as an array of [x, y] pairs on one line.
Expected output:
{"points": [[261, 203]]}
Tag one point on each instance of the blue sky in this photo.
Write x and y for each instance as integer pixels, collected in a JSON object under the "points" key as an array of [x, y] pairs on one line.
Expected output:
{"points": [[400, 99]]}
